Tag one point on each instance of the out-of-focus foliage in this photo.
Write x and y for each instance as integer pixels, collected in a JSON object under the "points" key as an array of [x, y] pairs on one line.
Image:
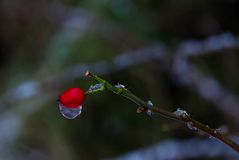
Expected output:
{"points": [[41, 39]]}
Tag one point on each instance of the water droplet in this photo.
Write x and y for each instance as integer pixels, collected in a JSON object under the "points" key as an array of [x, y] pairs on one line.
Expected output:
{"points": [[70, 113], [222, 130], [181, 113], [150, 103], [96, 87], [119, 85], [149, 112], [191, 126]]}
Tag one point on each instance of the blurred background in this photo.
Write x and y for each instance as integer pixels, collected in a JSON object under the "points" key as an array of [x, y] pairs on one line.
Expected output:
{"points": [[178, 54]]}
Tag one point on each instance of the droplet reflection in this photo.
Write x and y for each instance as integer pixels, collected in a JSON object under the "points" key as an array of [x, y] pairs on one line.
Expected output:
{"points": [[70, 113]]}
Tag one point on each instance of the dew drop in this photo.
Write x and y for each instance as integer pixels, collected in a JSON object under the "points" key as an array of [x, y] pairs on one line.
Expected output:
{"points": [[96, 87], [150, 103], [191, 126], [119, 85], [149, 111], [222, 130], [181, 113], [70, 113]]}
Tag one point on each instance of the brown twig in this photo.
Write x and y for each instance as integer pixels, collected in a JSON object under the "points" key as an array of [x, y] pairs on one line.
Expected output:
{"points": [[179, 115]]}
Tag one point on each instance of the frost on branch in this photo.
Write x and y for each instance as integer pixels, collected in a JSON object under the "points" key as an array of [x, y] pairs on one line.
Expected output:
{"points": [[119, 85], [181, 113], [96, 87], [149, 111], [119, 88], [191, 126]]}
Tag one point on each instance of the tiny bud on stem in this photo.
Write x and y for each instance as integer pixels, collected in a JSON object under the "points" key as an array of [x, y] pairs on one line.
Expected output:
{"points": [[88, 74]]}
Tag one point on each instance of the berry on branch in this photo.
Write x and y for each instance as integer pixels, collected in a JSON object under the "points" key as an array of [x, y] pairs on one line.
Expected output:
{"points": [[70, 102]]}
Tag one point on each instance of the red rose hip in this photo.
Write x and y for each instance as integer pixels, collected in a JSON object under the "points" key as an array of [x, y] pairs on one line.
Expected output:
{"points": [[70, 102]]}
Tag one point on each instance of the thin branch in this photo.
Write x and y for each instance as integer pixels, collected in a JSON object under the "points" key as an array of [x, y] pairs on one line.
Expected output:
{"points": [[179, 115]]}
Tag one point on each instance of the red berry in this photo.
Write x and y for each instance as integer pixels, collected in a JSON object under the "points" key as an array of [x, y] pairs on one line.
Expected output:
{"points": [[72, 98]]}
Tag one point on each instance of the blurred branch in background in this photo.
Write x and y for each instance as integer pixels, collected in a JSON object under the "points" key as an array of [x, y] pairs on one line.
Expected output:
{"points": [[207, 87], [210, 45], [12, 122], [182, 149], [187, 74], [79, 22]]}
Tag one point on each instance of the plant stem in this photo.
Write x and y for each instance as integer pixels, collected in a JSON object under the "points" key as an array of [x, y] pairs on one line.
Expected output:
{"points": [[183, 117]]}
